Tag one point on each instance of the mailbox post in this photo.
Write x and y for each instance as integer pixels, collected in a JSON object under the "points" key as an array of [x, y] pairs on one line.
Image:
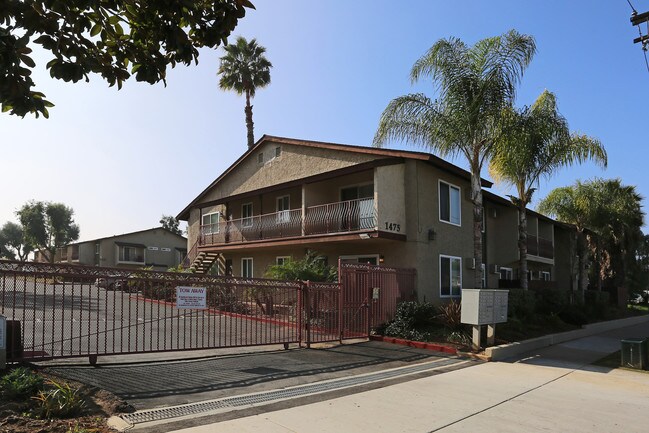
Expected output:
{"points": [[484, 307]]}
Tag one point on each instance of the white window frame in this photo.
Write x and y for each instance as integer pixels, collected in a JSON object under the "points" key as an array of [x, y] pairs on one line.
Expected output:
{"points": [[252, 267], [450, 290], [284, 215], [508, 272], [247, 221], [283, 259], [119, 247], [439, 198], [210, 231], [546, 275]]}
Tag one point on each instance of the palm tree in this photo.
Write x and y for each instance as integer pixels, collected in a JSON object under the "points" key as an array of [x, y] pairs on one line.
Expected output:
{"points": [[536, 143], [244, 69], [608, 216], [475, 84]]}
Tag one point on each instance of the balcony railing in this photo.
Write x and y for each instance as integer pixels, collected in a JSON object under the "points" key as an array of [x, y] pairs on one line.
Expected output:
{"points": [[540, 247], [340, 217]]}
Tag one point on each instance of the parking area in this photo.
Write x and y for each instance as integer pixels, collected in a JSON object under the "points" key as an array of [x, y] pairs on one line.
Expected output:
{"points": [[156, 384]]}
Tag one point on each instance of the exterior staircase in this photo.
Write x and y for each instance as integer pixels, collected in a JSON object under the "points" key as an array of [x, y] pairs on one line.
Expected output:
{"points": [[203, 262]]}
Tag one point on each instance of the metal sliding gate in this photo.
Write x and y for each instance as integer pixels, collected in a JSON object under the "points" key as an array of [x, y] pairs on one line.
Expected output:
{"points": [[62, 311]]}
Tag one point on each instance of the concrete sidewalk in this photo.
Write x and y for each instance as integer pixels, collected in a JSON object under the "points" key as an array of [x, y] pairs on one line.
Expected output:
{"points": [[553, 389]]}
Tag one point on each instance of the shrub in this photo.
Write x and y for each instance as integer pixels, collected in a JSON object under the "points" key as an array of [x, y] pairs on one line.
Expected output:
{"points": [[450, 315], [20, 384], [412, 321], [551, 301], [522, 303], [596, 297], [60, 401], [574, 315]]}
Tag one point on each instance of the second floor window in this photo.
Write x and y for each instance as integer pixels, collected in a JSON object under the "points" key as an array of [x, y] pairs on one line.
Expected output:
{"points": [[246, 215], [449, 203], [210, 223], [283, 208]]}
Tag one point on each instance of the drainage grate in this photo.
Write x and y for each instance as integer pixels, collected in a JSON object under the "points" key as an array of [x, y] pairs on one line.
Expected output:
{"points": [[263, 370], [281, 394]]}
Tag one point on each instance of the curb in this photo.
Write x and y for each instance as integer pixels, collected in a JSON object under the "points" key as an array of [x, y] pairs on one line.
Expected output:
{"points": [[417, 344], [504, 351]]}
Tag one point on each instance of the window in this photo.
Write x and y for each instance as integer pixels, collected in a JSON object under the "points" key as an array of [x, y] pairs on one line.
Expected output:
{"points": [[97, 248], [283, 207], [281, 260], [449, 203], [246, 215], [75, 253], [64, 253], [246, 267], [260, 158], [278, 151], [369, 259], [545, 276], [210, 223], [506, 273], [450, 276], [131, 254]]}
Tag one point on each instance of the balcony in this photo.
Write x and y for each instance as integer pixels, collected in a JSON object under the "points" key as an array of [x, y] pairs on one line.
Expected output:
{"points": [[540, 247], [339, 217]]}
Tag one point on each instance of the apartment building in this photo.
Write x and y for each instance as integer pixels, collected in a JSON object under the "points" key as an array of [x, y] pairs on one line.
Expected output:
{"points": [[285, 196], [158, 248]]}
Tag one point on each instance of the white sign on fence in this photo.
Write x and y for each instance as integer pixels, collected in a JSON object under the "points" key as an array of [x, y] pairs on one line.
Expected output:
{"points": [[191, 298]]}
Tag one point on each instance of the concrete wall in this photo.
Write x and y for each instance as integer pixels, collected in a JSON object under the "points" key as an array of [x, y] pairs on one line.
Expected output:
{"points": [[389, 198]]}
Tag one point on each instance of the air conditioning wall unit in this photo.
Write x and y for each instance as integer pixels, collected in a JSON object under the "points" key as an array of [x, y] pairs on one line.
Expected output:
{"points": [[494, 269], [469, 262]]}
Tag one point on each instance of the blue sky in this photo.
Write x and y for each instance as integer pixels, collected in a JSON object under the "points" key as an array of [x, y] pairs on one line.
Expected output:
{"points": [[123, 158]]}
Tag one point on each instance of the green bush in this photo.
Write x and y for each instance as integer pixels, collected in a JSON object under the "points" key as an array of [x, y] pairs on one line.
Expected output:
{"points": [[450, 315], [522, 303], [551, 301], [20, 384], [59, 401], [574, 315], [413, 321], [596, 297]]}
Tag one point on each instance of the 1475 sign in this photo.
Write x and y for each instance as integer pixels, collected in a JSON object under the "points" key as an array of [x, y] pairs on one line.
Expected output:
{"points": [[393, 227]]}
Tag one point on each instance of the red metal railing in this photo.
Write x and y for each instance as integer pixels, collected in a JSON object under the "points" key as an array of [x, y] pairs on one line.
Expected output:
{"points": [[345, 216]]}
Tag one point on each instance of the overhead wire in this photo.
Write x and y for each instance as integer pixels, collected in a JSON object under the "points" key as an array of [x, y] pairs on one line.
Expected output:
{"points": [[644, 43]]}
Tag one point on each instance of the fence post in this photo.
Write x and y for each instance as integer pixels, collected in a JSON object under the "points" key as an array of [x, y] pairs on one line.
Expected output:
{"points": [[341, 291], [307, 314], [300, 307], [3, 343]]}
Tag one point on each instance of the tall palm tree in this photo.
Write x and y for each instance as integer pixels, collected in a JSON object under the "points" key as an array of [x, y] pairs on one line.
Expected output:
{"points": [[536, 143], [244, 69], [608, 216], [475, 84]]}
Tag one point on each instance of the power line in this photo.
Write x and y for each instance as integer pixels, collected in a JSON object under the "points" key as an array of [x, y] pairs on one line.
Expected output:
{"points": [[632, 8], [636, 20]]}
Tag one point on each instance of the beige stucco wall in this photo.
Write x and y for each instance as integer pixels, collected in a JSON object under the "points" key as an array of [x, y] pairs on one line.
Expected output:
{"points": [[389, 198], [154, 238], [295, 162]]}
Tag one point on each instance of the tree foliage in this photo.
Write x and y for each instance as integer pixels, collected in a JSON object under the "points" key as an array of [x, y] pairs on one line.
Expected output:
{"points": [[114, 39], [475, 83], [170, 223], [48, 226], [244, 69], [610, 214], [310, 268], [535, 143], [12, 242]]}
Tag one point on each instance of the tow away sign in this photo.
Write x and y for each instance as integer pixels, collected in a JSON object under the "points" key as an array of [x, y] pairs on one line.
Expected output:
{"points": [[191, 298]]}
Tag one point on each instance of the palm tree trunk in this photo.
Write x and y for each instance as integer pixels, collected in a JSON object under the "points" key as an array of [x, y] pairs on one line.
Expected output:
{"points": [[522, 245], [476, 198], [249, 124]]}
